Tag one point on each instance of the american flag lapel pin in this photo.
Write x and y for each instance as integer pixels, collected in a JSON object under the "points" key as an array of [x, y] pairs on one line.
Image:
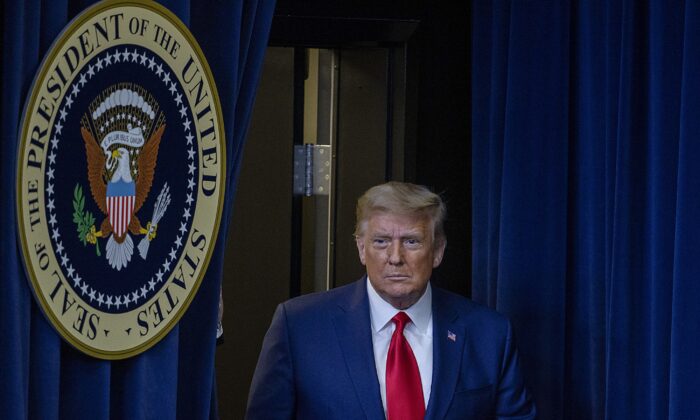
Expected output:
{"points": [[451, 336]]}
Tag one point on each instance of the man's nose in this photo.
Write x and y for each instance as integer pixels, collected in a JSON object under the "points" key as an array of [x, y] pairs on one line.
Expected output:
{"points": [[395, 253]]}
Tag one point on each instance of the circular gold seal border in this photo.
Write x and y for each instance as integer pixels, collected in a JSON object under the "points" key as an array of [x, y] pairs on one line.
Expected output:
{"points": [[40, 76]]}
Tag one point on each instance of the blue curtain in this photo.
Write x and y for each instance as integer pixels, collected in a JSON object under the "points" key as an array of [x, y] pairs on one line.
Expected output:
{"points": [[586, 195], [41, 376]]}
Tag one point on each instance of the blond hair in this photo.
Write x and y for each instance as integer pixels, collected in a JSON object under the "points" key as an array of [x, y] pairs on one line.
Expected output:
{"points": [[405, 199]]}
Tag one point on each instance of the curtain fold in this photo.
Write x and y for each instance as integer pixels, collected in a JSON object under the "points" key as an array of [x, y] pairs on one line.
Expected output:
{"points": [[585, 127], [42, 377], [684, 367]]}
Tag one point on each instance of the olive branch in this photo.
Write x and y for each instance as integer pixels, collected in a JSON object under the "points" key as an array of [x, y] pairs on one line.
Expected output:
{"points": [[84, 220]]}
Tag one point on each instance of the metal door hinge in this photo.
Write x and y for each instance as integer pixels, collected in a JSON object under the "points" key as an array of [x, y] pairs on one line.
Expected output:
{"points": [[312, 169]]}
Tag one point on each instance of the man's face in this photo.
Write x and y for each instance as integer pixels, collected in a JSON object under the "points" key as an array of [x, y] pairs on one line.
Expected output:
{"points": [[399, 254]]}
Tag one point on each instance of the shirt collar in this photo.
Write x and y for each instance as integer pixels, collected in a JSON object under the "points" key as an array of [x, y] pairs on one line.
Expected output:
{"points": [[381, 311]]}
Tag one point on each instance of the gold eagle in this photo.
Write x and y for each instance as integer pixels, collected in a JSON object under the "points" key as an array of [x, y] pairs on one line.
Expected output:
{"points": [[99, 175]]}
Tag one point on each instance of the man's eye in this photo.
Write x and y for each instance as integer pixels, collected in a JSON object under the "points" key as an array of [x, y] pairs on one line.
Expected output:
{"points": [[412, 243], [380, 242]]}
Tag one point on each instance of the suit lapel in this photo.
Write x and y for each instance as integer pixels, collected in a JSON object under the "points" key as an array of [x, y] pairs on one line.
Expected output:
{"points": [[448, 344], [354, 332]]}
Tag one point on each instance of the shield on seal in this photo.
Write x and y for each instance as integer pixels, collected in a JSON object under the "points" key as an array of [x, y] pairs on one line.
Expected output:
{"points": [[121, 197]]}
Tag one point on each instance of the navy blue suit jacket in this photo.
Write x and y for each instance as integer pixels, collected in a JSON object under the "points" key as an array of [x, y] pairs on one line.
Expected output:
{"points": [[317, 361]]}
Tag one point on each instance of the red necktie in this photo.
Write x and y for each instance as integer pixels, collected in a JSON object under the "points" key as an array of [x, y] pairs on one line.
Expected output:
{"points": [[404, 392]]}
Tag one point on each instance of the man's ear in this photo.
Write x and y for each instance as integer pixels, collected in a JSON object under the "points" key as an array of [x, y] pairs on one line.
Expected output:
{"points": [[439, 252], [360, 248]]}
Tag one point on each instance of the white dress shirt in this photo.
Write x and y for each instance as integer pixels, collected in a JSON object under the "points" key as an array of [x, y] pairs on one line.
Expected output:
{"points": [[418, 333]]}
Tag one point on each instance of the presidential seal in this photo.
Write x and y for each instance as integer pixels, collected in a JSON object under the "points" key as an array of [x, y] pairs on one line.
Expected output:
{"points": [[120, 177]]}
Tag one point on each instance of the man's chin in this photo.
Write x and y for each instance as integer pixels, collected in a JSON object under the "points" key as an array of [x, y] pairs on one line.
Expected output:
{"points": [[402, 299]]}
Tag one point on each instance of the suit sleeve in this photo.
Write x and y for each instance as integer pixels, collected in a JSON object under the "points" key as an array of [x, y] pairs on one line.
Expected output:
{"points": [[272, 393], [513, 399]]}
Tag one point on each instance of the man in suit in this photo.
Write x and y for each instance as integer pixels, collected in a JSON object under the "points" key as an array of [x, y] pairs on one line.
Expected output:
{"points": [[390, 345]]}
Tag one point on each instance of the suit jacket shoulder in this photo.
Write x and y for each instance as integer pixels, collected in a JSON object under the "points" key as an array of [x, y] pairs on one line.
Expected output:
{"points": [[476, 369], [317, 360], [317, 303], [477, 318]]}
